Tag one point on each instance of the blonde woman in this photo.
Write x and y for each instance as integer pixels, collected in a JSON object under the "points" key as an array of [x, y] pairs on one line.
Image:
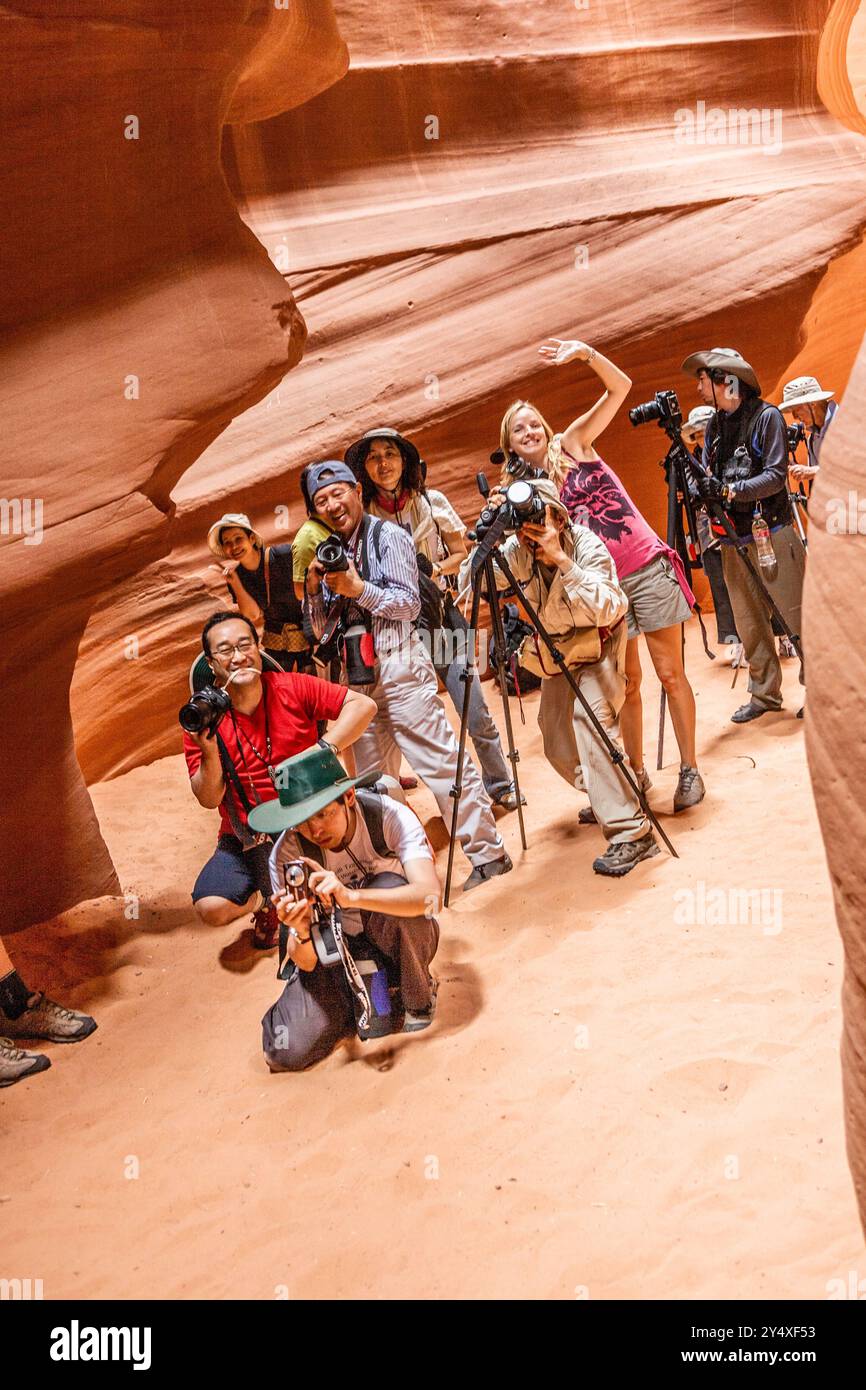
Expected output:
{"points": [[650, 572]]}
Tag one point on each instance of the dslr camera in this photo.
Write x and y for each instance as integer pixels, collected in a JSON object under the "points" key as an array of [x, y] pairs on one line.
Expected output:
{"points": [[203, 712], [332, 555], [522, 504], [664, 407], [515, 466], [353, 635], [796, 436]]}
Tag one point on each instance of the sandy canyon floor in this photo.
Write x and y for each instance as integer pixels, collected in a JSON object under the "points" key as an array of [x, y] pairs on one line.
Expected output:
{"points": [[622, 1096]]}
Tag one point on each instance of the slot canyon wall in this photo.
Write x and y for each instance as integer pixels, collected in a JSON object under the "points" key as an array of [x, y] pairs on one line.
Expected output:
{"points": [[140, 315], [482, 177]]}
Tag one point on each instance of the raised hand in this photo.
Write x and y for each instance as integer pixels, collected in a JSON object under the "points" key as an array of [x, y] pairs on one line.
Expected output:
{"points": [[557, 351]]}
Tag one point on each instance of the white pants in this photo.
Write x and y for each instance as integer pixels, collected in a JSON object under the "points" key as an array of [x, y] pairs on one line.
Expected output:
{"points": [[411, 721]]}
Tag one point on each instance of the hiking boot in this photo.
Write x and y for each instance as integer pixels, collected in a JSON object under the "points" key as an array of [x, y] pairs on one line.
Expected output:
{"points": [[44, 1019], [416, 1020], [508, 799], [16, 1064], [747, 712], [482, 872], [266, 928], [408, 783], [690, 789], [620, 858]]}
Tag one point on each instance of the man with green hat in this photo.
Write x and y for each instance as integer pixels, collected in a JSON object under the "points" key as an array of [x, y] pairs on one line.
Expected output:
{"points": [[368, 855], [745, 455]]}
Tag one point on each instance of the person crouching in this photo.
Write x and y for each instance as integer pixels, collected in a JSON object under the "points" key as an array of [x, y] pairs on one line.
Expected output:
{"points": [[368, 855]]}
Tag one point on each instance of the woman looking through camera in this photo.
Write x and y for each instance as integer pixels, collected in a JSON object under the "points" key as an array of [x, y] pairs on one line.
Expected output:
{"points": [[650, 572]]}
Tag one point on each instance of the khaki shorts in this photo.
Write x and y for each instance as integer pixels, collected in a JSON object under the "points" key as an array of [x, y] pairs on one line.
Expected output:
{"points": [[655, 599]]}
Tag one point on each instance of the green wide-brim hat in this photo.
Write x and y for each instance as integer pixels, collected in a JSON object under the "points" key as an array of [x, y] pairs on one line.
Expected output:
{"points": [[305, 783]]}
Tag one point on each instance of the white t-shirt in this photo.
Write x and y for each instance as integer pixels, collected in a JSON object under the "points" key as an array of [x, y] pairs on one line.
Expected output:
{"points": [[421, 520], [403, 834]]}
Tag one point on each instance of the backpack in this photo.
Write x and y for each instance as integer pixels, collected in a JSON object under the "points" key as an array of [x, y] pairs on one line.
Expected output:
{"points": [[370, 802], [430, 616]]}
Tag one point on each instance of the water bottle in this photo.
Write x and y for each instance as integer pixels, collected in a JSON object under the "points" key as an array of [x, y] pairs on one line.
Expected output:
{"points": [[764, 546], [376, 984]]}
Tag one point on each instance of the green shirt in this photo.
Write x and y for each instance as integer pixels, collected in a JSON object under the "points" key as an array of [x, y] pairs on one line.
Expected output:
{"points": [[304, 547]]}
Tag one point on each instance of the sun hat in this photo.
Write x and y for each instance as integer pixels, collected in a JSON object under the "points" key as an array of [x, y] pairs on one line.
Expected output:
{"points": [[305, 783], [230, 519], [803, 390], [356, 454], [723, 360], [699, 417]]}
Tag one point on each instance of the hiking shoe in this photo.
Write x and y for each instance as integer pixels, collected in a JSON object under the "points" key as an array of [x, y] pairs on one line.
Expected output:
{"points": [[408, 783], [508, 799], [747, 712], [482, 872], [44, 1019], [786, 648], [15, 1064], [266, 928], [416, 1020], [690, 789], [620, 858]]}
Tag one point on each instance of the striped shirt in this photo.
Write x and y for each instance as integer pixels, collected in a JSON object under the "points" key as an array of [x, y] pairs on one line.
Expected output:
{"points": [[390, 592]]}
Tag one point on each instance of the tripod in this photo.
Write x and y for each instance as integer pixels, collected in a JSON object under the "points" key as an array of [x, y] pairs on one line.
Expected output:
{"points": [[487, 555]]}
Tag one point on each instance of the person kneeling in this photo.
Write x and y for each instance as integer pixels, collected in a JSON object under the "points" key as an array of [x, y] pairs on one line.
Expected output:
{"points": [[568, 576], [367, 855]]}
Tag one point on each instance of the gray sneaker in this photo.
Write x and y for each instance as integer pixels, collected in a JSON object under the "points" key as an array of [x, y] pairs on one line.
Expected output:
{"points": [[45, 1019], [16, 1064], [482, 872], [620, 858], [690, 789]]}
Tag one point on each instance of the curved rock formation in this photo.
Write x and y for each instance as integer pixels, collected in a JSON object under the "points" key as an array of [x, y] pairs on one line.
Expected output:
{"points": [[141, 315], [836, 578]]}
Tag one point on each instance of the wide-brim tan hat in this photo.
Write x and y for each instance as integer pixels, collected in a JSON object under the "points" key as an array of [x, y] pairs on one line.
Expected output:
{"points": [[230, 519], [698, 420], [723, 360], [803, 390]]}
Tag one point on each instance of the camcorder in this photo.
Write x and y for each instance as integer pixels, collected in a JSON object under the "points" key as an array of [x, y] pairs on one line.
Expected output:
{"points": [[522, 504], [367, 979], [663, 408], [203, 712]]}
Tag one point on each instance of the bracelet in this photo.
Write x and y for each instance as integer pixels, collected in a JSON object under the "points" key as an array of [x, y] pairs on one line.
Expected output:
{"points": [[323, 743], [592, 354]]}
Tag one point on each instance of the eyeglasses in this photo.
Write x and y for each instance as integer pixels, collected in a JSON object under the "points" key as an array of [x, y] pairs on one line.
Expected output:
{"points": [[226, 650]]}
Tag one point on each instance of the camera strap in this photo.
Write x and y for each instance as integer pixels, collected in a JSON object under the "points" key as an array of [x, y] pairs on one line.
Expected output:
{"points": [[235, 789]]}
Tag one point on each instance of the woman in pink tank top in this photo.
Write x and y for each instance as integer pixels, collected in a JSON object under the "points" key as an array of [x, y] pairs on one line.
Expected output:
{"points": [[650, 572]]}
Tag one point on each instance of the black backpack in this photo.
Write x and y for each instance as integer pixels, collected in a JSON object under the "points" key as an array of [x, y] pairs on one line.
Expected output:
{"points": [[370, 802], [430, 617]]}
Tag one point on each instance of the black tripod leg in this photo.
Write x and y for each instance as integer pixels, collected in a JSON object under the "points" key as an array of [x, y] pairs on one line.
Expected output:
{"points": [[615, 755], [499, 644], [457, 789]]}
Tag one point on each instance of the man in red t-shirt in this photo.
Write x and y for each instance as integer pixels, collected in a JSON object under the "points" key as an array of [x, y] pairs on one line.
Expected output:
{"points": [[274, 715]]}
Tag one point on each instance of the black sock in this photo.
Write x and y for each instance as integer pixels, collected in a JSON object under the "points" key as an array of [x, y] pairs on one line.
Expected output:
{"points": [[14, 995]]}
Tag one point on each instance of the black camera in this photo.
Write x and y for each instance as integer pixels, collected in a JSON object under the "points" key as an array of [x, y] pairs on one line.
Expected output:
{"points": [[796, 436], [202, 713], [522, 504], [331, 555], [515, 466], [664, 407]]}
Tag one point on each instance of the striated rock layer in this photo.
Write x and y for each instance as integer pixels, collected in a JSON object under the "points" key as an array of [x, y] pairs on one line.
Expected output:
{"points": [[557, 198], [140, 315]]}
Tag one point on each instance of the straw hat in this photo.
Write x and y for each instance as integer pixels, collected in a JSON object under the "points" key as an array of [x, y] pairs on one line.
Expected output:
{"points": [[230, 519], [803, 390], [722, 360]]}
